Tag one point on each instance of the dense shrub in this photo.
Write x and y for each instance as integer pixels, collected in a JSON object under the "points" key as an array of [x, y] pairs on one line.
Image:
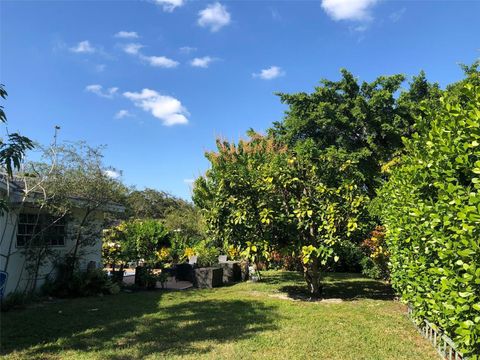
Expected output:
{"points": [[285, 259], [371, 269], [375, 263], [349, 257], [187, 228], [17, 300], [88, 283], [291, 263], [432, 213], [149, 236], [145, 277], [136, 240]]}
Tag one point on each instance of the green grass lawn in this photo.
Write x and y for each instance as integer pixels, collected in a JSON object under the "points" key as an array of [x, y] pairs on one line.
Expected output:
{"points": [[357, 320]]}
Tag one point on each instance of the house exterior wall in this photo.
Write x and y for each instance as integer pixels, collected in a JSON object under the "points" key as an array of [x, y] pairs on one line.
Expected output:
{"points": [[18, 278]]}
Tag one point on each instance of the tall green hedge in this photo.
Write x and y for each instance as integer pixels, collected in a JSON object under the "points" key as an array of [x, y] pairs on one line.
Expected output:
{"points": [[431, 208]]}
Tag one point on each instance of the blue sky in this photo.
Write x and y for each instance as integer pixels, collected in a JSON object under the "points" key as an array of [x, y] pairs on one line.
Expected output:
{"points": [[158, 81]]}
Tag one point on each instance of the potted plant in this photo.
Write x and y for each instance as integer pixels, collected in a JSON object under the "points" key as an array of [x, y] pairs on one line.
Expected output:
{"points": [[208, 273]]}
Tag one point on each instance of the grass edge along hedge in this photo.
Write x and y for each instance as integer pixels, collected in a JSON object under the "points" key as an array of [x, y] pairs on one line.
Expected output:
{"points": [[431, 208]]}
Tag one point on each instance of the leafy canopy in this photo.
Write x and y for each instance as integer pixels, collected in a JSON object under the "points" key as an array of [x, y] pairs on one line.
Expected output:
{"points": [[366, 120], [12, 149]]}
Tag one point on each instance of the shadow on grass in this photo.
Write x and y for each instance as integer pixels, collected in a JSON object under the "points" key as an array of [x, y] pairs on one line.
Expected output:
{"points": [[281, 277], [143, 327], [344, 286]]}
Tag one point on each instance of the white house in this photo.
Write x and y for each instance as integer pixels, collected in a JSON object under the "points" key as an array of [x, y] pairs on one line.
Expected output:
{"points": [[23, 223]]}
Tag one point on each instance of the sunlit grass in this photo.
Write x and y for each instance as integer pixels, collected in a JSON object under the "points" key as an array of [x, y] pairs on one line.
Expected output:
{"points": [[357, 320]]}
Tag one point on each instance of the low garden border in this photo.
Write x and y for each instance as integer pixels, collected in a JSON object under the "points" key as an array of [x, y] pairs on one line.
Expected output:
{"points": [[445, 346]]}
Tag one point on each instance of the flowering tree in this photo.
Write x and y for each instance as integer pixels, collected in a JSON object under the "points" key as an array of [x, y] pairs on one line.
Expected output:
{"points": [[261, 196]]}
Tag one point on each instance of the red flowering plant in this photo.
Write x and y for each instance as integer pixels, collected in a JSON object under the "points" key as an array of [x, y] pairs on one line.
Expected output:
{"points": [[376, 263]]}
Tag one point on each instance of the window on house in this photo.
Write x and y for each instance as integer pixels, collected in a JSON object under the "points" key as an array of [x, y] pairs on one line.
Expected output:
{"points": [[40, 229]]}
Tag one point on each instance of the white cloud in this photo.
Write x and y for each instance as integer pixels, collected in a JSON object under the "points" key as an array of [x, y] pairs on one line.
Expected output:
{"points": [[122, 114], [348, 9], [83, 47], [214, 16], [157, 61], [165, 108], [202, 62], [113, 174], [187, 49], [160, 61], [126, 35], [271, 73], [98, 90], [132, 48], [170, 5]]}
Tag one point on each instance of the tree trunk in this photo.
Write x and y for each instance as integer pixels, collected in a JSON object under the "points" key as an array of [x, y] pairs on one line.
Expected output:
{"points": [[38, 262], [313, 277], [10, 245], [73, 255]]}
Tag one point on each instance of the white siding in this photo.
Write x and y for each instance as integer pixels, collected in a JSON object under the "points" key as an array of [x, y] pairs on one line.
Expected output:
{"points": [[18, 279]]}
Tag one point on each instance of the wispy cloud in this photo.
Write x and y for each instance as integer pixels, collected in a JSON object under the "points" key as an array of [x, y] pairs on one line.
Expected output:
{"points": [[126, 35], [98, 90], [167, 109], [397, 15], [187, 49], [169, 5], [83, 47], [359, 28], [214, 16], [160, 61], [202, 62], [359, 10], [157, 61], [270, 73], [132, 48], [122, 114]]}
